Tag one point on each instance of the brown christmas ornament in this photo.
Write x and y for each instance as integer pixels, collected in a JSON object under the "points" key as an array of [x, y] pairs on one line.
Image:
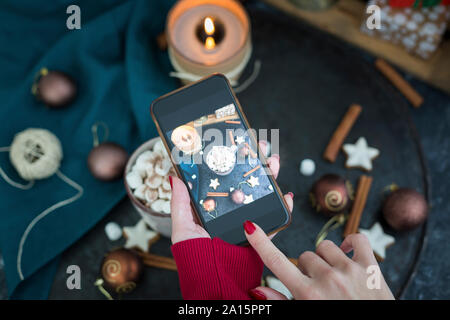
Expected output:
{"points": [[237, 196], [209, 204], [54, 88], [331, 194], [405, 209], [121, 270], [107, 161]]}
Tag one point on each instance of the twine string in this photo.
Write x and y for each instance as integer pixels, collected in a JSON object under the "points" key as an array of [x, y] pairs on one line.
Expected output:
{"points": [[99, 284], [247, 82], [94, 129], [332, 224], [9, 180], [44, 213]]}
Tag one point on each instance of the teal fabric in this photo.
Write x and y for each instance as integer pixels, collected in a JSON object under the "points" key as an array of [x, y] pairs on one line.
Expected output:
{"points": [[119, 71]]}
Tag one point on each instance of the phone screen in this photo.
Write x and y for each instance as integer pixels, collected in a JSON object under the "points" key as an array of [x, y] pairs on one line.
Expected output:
{"points": [[216, 154]]}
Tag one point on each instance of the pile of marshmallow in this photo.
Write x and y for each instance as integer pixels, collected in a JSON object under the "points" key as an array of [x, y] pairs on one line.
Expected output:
{"points": [[149, 178]]}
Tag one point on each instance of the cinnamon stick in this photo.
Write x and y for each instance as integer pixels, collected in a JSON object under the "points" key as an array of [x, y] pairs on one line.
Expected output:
{"points": [[232, 122], [362, 192], [294, 261], [153, 260], [250, 150], [230, 133], [399, 82], [251, 171], [217, 194], [341, 132]]}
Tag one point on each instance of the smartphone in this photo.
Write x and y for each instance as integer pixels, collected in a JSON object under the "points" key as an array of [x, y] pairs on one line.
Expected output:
{"points": [[216, 154]]}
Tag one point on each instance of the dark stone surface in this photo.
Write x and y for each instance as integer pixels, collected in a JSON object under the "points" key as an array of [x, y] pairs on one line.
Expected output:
{"points": [[307, 81], [432, 279]]}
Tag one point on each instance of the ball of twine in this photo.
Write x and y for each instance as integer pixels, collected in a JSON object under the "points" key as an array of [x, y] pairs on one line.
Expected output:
{"points": [[35, 153]]}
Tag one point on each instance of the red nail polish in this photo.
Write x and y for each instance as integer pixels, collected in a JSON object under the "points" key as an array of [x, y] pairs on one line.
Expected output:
{"points": [[170, 180], [291, 194], [256, 294], [249, 227]]}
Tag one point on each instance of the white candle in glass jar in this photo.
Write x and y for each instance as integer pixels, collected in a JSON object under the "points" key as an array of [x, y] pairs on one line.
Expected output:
{"points": [[194, 57]]}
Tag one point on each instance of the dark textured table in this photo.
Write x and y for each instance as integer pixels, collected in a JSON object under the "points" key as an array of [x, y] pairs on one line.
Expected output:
{"points": [[307, 81]]}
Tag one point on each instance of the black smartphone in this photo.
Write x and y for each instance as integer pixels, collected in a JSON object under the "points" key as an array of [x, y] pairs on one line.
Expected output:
{"points": [[216, 154]]}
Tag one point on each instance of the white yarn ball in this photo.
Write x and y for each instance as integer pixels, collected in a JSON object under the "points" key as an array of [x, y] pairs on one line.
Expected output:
{"points": [[35, 153]]}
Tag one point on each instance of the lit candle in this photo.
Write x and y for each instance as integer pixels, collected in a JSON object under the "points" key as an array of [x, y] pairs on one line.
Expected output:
{"points": [[210, 32], [206, 36]]}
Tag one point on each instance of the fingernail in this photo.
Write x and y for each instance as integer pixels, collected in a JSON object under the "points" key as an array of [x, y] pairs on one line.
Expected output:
{"points": [[276, 155], [170, 180], [249, 227], [256, 294], [291, 194]]}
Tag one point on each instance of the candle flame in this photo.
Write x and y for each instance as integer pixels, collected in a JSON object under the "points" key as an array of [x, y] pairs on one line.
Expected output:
{"points": [[209, 26], [210, 43]]}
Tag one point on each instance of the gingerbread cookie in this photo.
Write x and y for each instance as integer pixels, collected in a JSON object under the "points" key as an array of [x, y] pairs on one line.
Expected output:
{"points": [[360, 155], [378, 240]]}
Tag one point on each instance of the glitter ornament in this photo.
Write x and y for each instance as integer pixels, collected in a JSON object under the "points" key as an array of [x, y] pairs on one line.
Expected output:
{"points": [[121, 270], [405, 209], [106, 160], [237, 196], [331, 194], [54, 88]]}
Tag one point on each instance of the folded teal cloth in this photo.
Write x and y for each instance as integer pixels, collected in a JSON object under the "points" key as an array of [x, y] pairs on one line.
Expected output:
{"points": [[119, 71]]}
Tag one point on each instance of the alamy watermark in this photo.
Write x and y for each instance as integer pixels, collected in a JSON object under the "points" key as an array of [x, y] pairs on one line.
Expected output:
{"points": [[74, 19], [374, 20], [374, 278], [231, 142], [74, 279]]}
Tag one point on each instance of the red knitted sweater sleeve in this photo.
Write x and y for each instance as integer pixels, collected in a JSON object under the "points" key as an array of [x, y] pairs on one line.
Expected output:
{"points": [[215, 269]]}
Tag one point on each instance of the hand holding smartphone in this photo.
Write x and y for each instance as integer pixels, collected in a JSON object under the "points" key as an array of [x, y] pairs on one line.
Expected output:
{"points": [[216, 155]]}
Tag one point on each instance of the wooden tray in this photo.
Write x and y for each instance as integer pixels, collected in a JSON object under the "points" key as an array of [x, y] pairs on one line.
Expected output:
{"points": [[344, 20]]}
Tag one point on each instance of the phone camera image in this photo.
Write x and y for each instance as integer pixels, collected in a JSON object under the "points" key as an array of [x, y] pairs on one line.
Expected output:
{"points": [[219, 161]]}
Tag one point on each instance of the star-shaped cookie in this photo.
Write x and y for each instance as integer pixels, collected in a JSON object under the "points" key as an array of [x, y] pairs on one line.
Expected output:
{"points": [[276, 284], [240, 139], [378, 240], [214, 183], [140, 236], [253, 181], [248, 199], [360, 155]]}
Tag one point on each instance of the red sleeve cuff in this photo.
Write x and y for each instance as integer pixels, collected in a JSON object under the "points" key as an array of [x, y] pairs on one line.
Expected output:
{"points": [[215, 269]]}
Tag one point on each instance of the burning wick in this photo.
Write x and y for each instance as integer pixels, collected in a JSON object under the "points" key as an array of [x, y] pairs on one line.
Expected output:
{"points": [[209, 29], [210, 32]]}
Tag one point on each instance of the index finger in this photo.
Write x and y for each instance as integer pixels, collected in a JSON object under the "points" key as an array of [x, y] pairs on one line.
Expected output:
{"points": [[362, 250], [274, 259]]}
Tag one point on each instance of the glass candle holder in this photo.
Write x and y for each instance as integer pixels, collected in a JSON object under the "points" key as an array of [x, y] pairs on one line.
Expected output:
{"points": [[224, 45]]}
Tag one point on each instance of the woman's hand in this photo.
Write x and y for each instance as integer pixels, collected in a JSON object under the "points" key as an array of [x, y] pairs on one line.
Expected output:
{"points": [[184, 223], [326, 274]]}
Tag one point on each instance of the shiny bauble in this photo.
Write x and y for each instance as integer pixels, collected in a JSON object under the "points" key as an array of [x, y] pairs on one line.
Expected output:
{"points": [[121, 270], [331, 194], [55, 89], [237, 196], [405, 209], [107, 161], [209, 204]]}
